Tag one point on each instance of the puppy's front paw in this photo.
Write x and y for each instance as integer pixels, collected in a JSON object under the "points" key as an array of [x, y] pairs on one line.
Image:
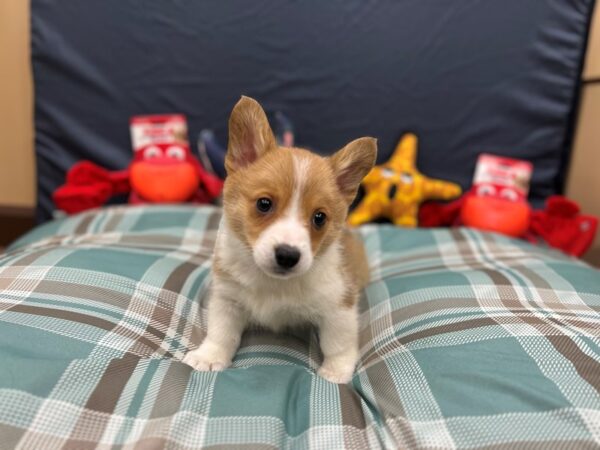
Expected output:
{"points": [[208, 359], [338, 375]]}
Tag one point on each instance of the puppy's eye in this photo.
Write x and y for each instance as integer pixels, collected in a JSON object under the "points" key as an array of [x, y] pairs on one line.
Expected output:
{"points": [[319, 219], [264, 205]]}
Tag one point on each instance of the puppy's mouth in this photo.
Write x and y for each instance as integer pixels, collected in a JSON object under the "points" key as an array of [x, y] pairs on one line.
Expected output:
{"points": [[278, 272], [282, 262], [281, 273]]}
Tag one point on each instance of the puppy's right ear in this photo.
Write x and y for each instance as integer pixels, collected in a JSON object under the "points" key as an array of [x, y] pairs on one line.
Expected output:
{"points": [[352, 163], [250, 135]]}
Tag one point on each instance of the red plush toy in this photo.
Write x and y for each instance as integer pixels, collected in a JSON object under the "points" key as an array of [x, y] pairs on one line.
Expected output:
{"points": [[497, 202], [163, 171], [559, 225]]}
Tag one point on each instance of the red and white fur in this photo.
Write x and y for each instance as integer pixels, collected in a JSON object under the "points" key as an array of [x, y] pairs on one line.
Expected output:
{"points": [[283, 255]]}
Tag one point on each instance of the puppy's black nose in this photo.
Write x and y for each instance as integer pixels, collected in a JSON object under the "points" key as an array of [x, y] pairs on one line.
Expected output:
{"points": [[287, 256]]}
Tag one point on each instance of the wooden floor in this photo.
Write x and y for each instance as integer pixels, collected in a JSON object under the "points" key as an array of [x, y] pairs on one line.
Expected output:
{"points": [[14, 222]]}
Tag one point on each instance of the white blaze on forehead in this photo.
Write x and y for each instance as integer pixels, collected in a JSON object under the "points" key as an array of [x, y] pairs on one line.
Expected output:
{"points": [[301, 171], [292, 228]]}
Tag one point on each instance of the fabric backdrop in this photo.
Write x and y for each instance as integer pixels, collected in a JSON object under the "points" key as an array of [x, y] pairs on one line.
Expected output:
{"points": [[468, 76]]}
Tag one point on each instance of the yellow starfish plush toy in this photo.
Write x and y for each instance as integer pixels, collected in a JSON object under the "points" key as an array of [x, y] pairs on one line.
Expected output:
{"points": [[395, 189]]}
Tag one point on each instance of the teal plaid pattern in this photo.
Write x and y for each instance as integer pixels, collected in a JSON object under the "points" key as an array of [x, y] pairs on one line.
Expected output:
{"points": [[467, 340]]}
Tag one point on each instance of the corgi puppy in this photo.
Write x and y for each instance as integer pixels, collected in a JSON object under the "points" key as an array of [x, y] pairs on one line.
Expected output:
{"points": [[283, 256]]}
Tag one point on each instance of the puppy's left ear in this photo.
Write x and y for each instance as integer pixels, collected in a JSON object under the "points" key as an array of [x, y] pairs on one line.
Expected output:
{"points": [[352, 163], [250, 135]]}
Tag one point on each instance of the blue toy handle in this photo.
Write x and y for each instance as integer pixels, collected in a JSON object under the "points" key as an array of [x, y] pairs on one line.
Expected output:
{"points": [[212, 154]]}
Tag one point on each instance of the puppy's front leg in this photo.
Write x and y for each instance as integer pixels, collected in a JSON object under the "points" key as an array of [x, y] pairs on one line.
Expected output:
{"points": [[226, 323], [338, 335]]}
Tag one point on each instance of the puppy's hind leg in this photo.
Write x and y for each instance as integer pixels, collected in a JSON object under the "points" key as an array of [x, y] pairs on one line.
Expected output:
{"points": [[226, 323]]}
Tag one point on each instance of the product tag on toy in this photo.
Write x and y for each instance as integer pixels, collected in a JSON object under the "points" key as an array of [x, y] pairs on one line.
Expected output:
{"points": [[500, 177], [158, 131]]}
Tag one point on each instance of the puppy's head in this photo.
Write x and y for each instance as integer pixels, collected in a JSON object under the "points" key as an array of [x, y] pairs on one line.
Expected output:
{"points": [[287, 205]]}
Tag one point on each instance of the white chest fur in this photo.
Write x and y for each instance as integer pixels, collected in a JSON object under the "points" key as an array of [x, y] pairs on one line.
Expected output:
{"points": [[276, 303]]}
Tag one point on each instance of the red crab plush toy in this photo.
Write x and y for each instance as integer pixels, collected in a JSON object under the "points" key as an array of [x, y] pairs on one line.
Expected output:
{"points": [[163, 170], [497, 202], [560, 224]]}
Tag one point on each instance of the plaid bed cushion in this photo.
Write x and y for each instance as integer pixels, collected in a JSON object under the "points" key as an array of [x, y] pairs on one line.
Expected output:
{"points": [[468, 340]]}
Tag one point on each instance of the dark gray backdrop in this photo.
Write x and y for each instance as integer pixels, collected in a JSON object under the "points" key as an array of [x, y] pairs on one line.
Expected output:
{"points": [[468, 76]]}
